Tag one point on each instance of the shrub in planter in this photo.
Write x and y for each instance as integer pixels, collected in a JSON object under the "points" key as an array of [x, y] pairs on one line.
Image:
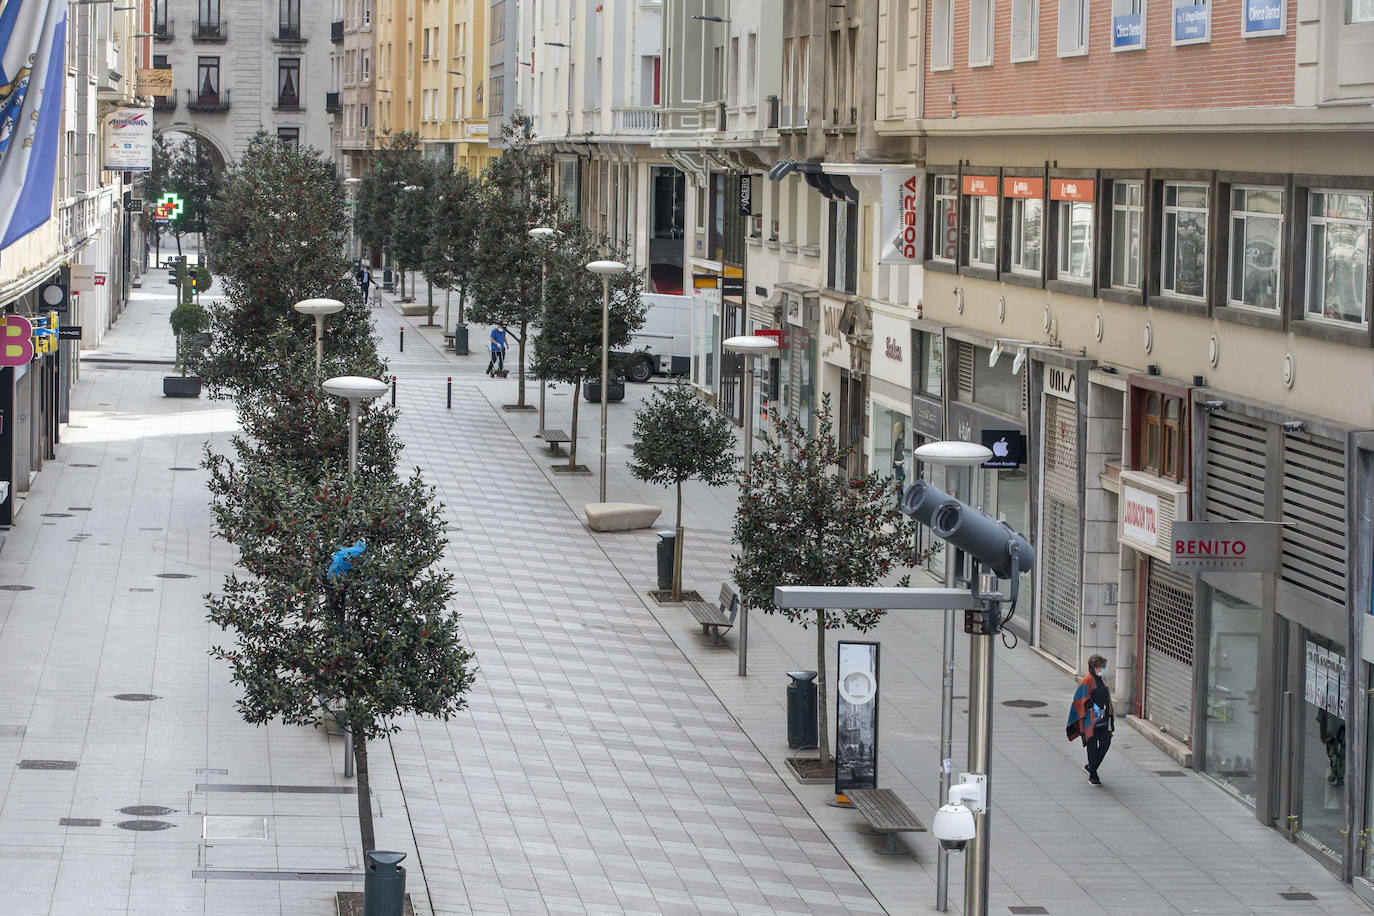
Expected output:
{"points": [[189, 322]]}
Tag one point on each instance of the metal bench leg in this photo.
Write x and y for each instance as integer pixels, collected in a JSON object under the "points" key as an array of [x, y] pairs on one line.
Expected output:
{"points": [[715, 636], [891, 848]]}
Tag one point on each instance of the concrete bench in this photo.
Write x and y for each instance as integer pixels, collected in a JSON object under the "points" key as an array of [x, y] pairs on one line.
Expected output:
{"points": [[621, 516], [555, 439], [414, 309], [716, 617], [887, 815]]}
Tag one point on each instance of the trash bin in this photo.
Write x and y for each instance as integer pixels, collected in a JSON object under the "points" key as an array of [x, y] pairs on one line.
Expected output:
{"points": [[384, 884], [388, 281], [460, 339], [667, 546], [801, 710]]}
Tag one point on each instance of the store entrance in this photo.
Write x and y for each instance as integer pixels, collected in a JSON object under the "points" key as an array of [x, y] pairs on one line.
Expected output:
{"points": [[1314, 746]]}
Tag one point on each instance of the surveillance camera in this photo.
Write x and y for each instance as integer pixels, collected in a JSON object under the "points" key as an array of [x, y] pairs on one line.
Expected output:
{"points": [[953, 827]]}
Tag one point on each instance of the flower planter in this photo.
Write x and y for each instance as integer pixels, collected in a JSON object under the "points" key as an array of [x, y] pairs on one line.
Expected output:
{"points": [[176, 386], [592, 391]]}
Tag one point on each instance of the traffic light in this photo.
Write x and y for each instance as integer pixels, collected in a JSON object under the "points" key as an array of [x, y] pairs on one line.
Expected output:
{"points": [[195, 281]]}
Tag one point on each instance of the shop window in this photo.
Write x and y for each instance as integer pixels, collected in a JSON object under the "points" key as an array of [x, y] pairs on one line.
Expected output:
{"points": [[1338, 230], [1025, 16], [996, 387], [1161, 436], [1256, 247], [1127, 233], [930, 363], [1233, 662], [1025, 197], [1183, 243], [945, 219]]}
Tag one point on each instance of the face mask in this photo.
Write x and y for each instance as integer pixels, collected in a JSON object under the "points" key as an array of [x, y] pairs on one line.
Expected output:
{"points": [[1101, 671]]}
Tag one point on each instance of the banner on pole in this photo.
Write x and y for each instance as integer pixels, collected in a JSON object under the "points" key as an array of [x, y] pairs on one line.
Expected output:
{"points": [[902, 239]]}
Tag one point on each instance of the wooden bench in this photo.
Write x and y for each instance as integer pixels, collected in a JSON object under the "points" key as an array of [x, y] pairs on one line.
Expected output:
{"points": [[887, 815], [555, 438], [716, 617]]}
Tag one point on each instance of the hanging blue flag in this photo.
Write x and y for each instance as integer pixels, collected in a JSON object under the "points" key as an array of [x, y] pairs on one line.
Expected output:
{"points": [[32, 54]]}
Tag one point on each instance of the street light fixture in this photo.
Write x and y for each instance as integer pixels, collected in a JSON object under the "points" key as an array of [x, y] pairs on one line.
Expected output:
{"points": [[319, 308], [750, 347], [543, 234], [606, 270]]}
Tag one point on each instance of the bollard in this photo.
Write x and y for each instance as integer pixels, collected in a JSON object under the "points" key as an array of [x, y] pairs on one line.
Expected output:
{"points": [[449, 400], [403, 339], [393, 391], [384, 884]]}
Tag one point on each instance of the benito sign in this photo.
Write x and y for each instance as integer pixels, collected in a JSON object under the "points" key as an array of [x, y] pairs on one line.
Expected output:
{"points": [[1226, 546]]}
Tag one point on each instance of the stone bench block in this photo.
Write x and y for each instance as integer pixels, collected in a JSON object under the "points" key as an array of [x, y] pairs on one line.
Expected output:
{"points": [[621, 516]]}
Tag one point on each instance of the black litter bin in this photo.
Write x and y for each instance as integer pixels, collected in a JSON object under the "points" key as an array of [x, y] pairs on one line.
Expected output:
{"points": [[388, 281], [460, 339], [667, 546], [384, 884], [801, 710]]}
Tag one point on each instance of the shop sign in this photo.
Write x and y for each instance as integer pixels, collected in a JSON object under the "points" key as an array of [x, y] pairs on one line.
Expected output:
{"points": [[16, 341], [1061, 382], [927, 418], [1140, 516], [154, 81], [82, 278], [99, 279], [856, 717], [1080, 189], [1128, 32], [69, 332], [1325, 685], [1263, 17], [903, 190], [1226, 546], [1192, 24], [778, 337], [478, 129], [746, 195], [980, 185], [129, 140], [732, 286], [1008, 448], [1023, 187]]}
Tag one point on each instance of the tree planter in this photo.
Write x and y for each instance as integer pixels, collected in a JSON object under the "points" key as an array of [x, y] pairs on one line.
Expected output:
{"points": [[177, 386], [592, 391]]}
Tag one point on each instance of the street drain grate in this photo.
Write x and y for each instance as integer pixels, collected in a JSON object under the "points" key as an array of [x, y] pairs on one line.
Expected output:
{"points": [[1024, 704], [75, 465], [57, 515], [143, 825], [183, 469], [16, 588], [13, 731], [1296, 895], [146, 810], [142, 589], [1039, 715], [1169, 773], [154, 528], [137, 697], [47, 764], [1029, 910], [268, 788], [78, 822], [175, 576], [78, 508]]}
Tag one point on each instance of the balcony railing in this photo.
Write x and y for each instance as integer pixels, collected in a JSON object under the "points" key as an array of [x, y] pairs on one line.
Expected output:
{"points": [[162, 31], [288, 101], [336, 31], [210, 31], [591, 120], [331, 103], [164, 103], [636, 120], [289, 33], [207, 101]]}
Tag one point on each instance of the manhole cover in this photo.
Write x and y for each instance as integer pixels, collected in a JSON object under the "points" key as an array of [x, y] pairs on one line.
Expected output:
{"points": [[175, 576], [75, 465], [57, 515], [143, 825], [146, 810], [16, 588], [136, 697], [1169, 772], [1024, 704], [183, 469], [47, 764]]}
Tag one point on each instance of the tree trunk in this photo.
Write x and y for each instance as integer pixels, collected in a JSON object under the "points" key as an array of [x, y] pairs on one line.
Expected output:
{"points": [[461, 298], [572, 446], [822, 725], [178, 238], [524, 332], [364, 793], [429, 302], [677, 547]]}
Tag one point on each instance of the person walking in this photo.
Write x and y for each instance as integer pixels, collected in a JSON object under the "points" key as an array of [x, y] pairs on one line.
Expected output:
{"points": [[364, 280], [498, 349], [1092, 718]]}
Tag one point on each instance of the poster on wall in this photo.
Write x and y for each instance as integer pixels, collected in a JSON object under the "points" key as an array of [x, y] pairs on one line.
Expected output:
{"points": [[129, 140], [903, 190], [1310, 684], [856, 717], [1326, 685]]}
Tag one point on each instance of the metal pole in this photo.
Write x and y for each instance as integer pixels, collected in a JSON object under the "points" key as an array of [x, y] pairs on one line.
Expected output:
{"points": [[319, 342], [543, 303], [748, 465], [352, 471], [605, 370], [448, 399], [947, 703], [979, 761]]}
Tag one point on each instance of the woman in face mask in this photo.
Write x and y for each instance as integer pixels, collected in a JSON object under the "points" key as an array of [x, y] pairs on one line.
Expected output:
{"points": [[1091, 717]]}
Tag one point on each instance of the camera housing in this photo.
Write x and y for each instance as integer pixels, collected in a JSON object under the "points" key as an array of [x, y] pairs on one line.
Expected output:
{"points": [[953, 827], [922, 499], [996, 545]]}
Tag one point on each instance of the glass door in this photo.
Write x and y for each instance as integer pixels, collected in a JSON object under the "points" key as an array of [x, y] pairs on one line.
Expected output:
{"points": [[1315, 741]]}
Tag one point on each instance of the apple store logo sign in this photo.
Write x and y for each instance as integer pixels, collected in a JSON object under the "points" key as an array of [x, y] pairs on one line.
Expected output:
{"points": [[1008, 447]]}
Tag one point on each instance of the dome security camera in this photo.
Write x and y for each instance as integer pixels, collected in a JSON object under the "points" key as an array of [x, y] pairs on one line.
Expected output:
{"points": [[954, 825]]}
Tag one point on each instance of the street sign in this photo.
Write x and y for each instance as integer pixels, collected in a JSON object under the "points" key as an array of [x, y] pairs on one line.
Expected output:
{"points": [[82, 278], [169, 206], [69, 332], [1226, 546], [99, 279], [133, 205]]}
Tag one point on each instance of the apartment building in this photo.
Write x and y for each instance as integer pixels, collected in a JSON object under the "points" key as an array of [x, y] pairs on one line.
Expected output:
{"points": [[1143, 237], [351, 101], [452, 66]]}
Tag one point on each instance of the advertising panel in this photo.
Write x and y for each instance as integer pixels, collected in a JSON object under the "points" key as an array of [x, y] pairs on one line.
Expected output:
{"points": [[1263, 17], [856, 717], [129, 140], [1192, 22], [902, 190]]}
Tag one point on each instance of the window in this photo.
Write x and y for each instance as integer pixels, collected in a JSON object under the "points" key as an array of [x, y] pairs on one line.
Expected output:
{"points": [[1073, 220], [498, 21], [981, 207], [367, 67], [458, 113], [751, 68], [842, 260], [1025, 16], [942, 35], [1128, 222], [288, 82], [290, 136], [1338, 229], [1128, 25], [1359, 11], [160, 22], [208, 20], [980, 19], [1073, 27], [1026, 199], [945, 219], [207, 79], [1183, 248], [496, 99], [1161, 436], [1255, 247], [289, 18], [930, 363], [425, 53], [364, 121]]}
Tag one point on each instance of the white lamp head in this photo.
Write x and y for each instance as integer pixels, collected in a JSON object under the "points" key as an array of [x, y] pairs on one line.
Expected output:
{"points": [[355, 387], [750, 344], [953, 453], [606, 268], [318, 306], [542, 233]]}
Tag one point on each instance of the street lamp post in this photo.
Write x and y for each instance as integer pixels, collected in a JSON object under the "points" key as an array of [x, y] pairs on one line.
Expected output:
{"points": [[543, 234], [750, 347], [354, 389], [351, 189], [606, 270], [958, 455], [318, 308]]}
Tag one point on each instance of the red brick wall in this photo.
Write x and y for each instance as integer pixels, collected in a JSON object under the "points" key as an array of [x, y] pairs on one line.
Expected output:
{"points": [[1230, 72]]}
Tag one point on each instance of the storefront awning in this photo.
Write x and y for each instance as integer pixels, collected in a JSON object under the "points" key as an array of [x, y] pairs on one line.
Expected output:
{"points": [[780, 171]]}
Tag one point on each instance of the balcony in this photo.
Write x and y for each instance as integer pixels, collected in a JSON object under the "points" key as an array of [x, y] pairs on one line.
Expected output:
{"points": [[336, 29], [208, 101], [164, 103], [216, 32], [162, 31], [289, 34], [288, 101], [332, 103], [636, 120]]}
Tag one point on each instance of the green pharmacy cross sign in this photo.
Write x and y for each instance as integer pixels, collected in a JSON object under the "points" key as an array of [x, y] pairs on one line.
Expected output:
{"points": [[169, 206]]}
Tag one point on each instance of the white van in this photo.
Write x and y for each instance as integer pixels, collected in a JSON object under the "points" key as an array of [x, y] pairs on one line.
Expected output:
{"points": [[664, 345]]}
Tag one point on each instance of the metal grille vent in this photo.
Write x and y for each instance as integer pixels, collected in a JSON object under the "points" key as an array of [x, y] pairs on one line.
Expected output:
{"points": [[965, 371], [1314, 497], [1062, 541], [1168, 700], [1235, 467]]}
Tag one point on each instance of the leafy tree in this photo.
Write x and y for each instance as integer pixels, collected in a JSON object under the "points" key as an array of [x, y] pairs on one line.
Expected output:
{"points": [[188, 320], [280, 224], [153, 183], [517, 196], [195, 180], [453, 218], [678, 437], [379, 638], [800, 522], [569, 345], [379, 190], [410, 227]]}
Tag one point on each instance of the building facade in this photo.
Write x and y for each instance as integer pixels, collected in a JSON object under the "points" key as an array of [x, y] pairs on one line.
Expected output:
{"points": [[351, 101]]}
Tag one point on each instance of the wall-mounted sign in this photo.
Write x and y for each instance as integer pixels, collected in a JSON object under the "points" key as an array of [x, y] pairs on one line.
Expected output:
{"points": [[746, 195], [69, 332], [1008, 447], [1264, 17], [903, 190], [1061, 382], [1128, 32], [856, 717], [129, 140], [980, 185], [1192, 22], [1226, 546], [1140, 515], [1082, 189], [82, 278], [133, 205], [732, 286], [479, 129], [154, 82], [99, 279], [1023, 187], [16, 341], [927, 418], [169, 206]]}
